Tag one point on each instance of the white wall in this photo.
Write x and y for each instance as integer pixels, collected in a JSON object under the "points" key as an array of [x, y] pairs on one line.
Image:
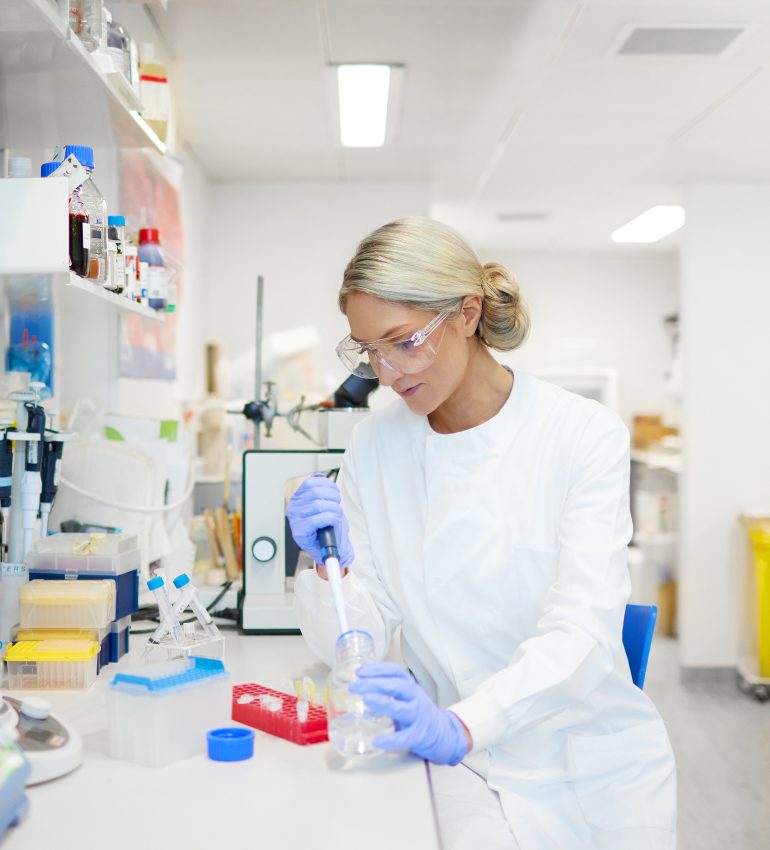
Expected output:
{"points": [[600, 310], [725, 293], [299, 236]]}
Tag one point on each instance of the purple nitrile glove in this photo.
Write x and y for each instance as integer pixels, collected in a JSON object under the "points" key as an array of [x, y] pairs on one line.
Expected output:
{"points": [[315, 505], [423, 728]]}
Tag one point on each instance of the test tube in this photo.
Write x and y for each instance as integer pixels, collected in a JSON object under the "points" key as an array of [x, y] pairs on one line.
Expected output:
{"points": [[190, 598], [167, 615]]}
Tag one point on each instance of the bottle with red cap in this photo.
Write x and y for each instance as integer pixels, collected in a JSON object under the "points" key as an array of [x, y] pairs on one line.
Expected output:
{"points": [[156, 282]]}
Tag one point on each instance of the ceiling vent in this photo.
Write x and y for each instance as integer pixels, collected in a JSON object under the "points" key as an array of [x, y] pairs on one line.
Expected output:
{"points": [[678, 41], [523, 217]]}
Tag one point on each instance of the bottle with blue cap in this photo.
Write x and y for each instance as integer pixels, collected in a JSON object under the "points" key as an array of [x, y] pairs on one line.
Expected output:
{"points": [[79, 227], [167, 615], [116, 259], [97, 213], [352, 726]]}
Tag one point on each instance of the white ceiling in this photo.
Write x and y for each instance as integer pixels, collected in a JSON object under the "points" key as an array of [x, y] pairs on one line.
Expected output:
{"points": [[509, 106]]}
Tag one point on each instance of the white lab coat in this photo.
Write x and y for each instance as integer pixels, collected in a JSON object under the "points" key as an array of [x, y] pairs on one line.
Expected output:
{"points": [[501, 553]]}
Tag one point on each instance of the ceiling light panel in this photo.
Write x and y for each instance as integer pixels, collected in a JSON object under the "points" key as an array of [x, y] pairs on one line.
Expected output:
{"points": [[651, 226], [679, 41], [363, 104]]}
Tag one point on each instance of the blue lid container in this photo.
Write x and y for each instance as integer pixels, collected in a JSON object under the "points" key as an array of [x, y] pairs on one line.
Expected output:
{"points": [[230, 744]]}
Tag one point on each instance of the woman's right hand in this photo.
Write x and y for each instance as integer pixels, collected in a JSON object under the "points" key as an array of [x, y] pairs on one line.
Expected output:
{"points": [[315, 505]]}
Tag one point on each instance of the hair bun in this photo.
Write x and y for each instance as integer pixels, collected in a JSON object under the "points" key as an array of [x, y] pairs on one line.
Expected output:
{"points": [[504, 323]]}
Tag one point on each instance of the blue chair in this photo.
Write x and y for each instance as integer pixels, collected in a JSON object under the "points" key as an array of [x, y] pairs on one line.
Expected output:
{"points": [[638, 626]]}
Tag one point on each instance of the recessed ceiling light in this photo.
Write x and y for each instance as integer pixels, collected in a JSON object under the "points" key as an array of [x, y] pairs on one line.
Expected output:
{"points": [[651, 225], [363, 102], [523, 217]]}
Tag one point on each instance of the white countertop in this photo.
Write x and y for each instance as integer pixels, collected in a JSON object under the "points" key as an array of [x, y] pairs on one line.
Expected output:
{"points": [[286, 796]]}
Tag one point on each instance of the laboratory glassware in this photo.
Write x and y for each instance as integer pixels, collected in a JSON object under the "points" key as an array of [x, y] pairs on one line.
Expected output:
{"points": [[352, 726], [86, 21], [118, 46], [157, 273], [116, 260], [79, 227], [97, 213]]}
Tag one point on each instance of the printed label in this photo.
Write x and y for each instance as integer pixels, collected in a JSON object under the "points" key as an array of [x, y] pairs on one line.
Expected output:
{"points": [[74, 172], [8, 570], [86, 235]]}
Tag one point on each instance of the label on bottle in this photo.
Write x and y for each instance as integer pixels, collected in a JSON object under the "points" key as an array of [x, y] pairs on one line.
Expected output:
{"points": [[86, 235], [74, 172], [157, 278]]}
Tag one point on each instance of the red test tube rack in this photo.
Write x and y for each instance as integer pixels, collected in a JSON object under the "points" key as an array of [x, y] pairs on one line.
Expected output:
{"points": [[283, 723]]}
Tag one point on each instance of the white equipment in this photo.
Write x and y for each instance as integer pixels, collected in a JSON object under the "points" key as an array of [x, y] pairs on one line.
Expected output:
{"points": [[269, 553], [52, 748]]}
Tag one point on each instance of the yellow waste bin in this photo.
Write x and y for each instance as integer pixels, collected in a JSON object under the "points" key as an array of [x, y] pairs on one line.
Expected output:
{"points": [[754, 666], [760, 544]]}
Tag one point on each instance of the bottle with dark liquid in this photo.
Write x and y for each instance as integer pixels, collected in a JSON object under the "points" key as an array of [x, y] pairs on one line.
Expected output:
{"points": [[79, 226]]}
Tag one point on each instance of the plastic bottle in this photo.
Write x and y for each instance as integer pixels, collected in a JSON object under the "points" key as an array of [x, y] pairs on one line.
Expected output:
{"points": [[118, 46], [352, 727], [97, 213], [132, 270], [157, 274], [86, 22], [19, 166], [154, 90], [79, 229], [116, 260]]}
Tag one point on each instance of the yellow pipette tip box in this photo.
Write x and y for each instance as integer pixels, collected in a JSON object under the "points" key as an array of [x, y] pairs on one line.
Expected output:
{"points": [[52, 664]]}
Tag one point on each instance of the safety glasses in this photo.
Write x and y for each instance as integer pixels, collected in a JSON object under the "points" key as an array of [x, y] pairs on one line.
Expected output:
{"points": [[406, 355]]}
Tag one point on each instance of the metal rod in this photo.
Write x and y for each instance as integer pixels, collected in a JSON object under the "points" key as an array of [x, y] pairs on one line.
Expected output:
{"points": [[258, 356]]}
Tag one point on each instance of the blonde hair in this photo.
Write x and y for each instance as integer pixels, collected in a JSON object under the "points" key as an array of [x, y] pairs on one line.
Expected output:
{"points": [[426, 264]]}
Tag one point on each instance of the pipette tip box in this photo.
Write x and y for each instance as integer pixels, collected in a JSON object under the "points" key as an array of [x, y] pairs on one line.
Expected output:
{"points": [[55, 664], [283, 723]]}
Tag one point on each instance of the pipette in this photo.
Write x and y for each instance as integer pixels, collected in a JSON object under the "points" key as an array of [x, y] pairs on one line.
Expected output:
{"points": [[330, 556], [6, 473]]}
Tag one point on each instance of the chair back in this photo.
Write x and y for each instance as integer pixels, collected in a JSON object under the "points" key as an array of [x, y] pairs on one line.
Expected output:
{"points": [[638, 626]]}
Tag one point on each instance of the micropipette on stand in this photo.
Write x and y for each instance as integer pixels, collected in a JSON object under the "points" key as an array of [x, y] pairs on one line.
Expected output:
{"points": [[330, 556], [6, 473]]}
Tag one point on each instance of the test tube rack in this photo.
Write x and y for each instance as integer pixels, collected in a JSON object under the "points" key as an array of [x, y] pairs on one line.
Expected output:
{"points": [[283, 723]]}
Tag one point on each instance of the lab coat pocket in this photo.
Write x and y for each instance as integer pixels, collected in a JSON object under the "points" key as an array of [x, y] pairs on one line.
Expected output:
{"points": [[625, 779]]}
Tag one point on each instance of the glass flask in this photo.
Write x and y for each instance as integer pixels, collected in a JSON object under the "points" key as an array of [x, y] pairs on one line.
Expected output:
{"points": [[86, 21], [352, 726]]}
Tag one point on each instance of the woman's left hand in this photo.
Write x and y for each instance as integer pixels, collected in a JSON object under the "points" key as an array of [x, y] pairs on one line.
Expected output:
{"points": [[423, 728]]}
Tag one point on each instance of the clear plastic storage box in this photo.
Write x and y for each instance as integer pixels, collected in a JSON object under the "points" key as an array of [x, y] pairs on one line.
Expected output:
{"points": [[43, 664], [161, 713], [67, 604], [92, 557]]}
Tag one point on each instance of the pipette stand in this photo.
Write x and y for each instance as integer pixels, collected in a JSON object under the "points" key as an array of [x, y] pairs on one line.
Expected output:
{"points": [[196, 643]]}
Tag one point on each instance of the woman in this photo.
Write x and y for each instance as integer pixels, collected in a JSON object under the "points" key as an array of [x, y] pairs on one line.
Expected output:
{"points": [[487, 514]]}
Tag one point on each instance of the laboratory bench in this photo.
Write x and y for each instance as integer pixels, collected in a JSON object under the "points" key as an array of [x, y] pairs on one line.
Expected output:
{"points": [[286, 796]]}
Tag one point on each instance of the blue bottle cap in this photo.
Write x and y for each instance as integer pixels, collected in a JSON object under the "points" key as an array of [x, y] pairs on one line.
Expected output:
{"points": [[84, 154], [181, 580], [48, 168], [155, 583], [116, 221], [230, 744]]}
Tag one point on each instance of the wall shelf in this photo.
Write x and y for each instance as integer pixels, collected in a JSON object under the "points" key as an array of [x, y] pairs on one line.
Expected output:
{"points": [[66, 96], [669, 461], [94, 290]]}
